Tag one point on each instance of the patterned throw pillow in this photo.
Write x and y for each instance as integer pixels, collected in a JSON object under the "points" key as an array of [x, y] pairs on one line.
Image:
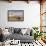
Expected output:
{"points": [[11, 30], [17, 30]]}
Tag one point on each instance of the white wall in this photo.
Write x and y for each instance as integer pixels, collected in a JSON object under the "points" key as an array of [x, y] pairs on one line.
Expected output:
{"points": [[31, 14]]}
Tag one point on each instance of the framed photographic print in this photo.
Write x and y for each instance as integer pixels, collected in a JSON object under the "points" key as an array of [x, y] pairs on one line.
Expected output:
{"points": [[15, 15]]}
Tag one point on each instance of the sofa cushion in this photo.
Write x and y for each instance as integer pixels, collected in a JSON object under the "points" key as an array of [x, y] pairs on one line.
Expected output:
{"points": [[20, 37]]}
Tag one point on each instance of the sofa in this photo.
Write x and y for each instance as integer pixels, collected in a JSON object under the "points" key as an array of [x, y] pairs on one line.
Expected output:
{"points": [[22, 34]]}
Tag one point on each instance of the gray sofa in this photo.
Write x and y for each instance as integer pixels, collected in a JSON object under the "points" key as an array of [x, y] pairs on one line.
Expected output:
{"points": [[17, 35]]}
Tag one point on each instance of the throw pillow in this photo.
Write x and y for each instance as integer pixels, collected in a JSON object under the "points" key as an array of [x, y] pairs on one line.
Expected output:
{"points": [[11, 30], [17, 30], [28, 31], [23, 31]]}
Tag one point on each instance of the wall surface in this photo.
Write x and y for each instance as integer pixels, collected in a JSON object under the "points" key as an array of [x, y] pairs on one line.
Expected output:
{"points": [[31, 14]]}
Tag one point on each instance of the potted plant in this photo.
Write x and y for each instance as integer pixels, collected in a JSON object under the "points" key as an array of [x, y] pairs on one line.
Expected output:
{"points": [[37, 33]]}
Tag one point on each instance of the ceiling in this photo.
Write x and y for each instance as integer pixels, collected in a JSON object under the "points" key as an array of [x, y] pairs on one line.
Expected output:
{"points": [[22, 0]]}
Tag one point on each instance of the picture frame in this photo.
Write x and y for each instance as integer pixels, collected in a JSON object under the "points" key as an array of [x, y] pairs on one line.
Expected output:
{"points": [[15, 15]]}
